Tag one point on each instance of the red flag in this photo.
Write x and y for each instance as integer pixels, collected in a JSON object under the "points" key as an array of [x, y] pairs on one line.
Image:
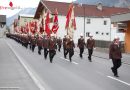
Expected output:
{"points": [[10, 4], [55, 26], [32, 27], [47, 22], [27, 28], [42, 26], [36, 27], [70, 21], [68, 16]]}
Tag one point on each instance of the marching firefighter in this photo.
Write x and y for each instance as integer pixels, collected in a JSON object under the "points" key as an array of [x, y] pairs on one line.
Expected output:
{"points": [[70, 48], [59, 43], [45, 45], [52, 47], [39, 44], [33, 42], [90, 46], [81, 44], [116, 55], [64, 45], [29, 41]]}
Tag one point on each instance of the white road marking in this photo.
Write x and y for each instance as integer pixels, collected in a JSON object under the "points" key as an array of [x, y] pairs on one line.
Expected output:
{"points": [[119, 80], [14, 88], [32, 74], [69, 60]]}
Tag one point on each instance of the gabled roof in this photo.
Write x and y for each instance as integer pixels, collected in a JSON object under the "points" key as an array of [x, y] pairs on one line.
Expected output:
{"points": [[80, 10], [26, 15]]}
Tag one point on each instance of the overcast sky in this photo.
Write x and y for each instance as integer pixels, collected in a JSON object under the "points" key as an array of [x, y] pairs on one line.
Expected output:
{"points": [[22, 4]]}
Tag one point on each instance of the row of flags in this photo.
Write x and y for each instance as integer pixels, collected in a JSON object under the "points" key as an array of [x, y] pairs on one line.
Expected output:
{"points": [[43, 25]]}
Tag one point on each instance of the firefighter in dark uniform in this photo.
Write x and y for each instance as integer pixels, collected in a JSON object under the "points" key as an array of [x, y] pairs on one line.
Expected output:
{"points": [[33, 42], [90, 46], [81, 44], [59, 43], [52, 47], [26, 41], [116, 55], [64, 45], [45, 45], [39, 44], [70, 48], [29, 40]]}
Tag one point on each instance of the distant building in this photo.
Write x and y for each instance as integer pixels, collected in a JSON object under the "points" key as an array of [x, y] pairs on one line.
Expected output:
{"points": [[94, 19], [124, 21], [2, 25], [22, 20]]}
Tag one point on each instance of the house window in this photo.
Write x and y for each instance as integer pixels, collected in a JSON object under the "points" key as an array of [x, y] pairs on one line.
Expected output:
{"points": [[87, 34], [97, 32], [107, 33], [102, 33], [105, 22], [88, 21]]}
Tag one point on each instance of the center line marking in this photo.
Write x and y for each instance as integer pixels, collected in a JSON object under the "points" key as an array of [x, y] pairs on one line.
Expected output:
{"points": [[69, 60], [119, 80]]}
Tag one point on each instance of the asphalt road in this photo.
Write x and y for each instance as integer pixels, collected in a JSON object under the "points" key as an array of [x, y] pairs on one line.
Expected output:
{"points": [[80, 74]]}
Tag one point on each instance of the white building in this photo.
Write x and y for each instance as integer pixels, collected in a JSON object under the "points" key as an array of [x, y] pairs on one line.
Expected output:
{"points": [[2, 25], [94, 19]]}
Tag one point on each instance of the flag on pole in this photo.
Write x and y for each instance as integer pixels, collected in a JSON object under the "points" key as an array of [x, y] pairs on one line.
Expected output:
{"points": [[42, 26], [47, 22], [70, 21], [55, 26]]}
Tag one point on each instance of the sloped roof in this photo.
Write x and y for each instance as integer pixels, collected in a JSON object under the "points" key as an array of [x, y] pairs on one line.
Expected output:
{"points": [[80, 10]]}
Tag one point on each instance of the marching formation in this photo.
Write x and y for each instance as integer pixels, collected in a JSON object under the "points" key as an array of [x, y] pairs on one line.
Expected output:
{"points": [[50, 44]]}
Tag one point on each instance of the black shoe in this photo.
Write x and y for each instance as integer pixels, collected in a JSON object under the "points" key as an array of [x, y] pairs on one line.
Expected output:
{"points": [[116, 75], [112, 69], [90, 60]]}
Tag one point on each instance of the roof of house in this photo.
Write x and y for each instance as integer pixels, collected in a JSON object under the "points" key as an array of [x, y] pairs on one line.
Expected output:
{"points": [[26, 15], [80, 10]]}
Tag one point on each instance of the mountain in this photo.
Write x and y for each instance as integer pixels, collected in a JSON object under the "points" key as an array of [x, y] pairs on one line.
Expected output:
{"points": [[30, 11], [115, 3]]}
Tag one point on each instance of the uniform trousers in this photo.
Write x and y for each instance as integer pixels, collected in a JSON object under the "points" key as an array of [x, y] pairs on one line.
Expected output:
{"points": [[90, 52], [59, 47], [116, 65], [45, 53], [39, 50], [81, 52], [51, 55]]}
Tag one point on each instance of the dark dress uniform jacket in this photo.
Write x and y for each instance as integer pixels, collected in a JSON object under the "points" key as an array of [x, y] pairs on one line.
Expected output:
{"points": [[39, 41], [81, 43], [52, 44], [115, 51], [45, 42], [33, 41], [59, 41], [70, 44], [90, 44], [64, 42]]}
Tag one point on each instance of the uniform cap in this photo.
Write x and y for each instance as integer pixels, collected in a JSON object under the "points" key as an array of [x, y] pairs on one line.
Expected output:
{"points": [[90, 35], [81, 34], [116, 37]]}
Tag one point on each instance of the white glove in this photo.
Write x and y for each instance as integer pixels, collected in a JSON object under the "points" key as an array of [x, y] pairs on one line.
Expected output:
{"points": [[94, 48]]}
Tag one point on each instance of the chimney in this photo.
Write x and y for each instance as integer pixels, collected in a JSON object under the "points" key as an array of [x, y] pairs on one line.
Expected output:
{"points": [[99, 6]]}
